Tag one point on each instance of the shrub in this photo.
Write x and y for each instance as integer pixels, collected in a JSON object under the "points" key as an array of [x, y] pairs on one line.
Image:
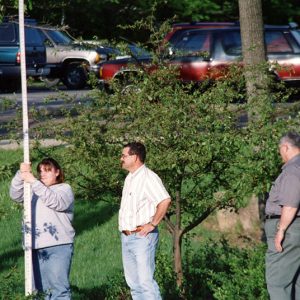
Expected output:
{"points": [[223, 272]]}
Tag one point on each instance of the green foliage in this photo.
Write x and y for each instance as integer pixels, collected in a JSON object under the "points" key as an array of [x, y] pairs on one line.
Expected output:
{"points": [[196, 140], [10, 285], [224, 272], [164, 272], [127, 12]]}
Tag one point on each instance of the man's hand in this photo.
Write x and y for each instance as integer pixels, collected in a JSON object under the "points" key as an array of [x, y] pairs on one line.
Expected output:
{"points": [[146, 229], [287, 216], [278, 239]]}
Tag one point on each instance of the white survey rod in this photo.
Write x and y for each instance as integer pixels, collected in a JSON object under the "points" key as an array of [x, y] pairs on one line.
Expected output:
{"points": [[27, 191]]}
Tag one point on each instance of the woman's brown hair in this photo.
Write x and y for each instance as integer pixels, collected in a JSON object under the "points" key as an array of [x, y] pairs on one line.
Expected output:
{"points": [[49, 164]]}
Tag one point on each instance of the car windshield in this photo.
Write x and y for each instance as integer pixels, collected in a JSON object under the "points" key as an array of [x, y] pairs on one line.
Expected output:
{"points": [[59, 37], [138, 52]]}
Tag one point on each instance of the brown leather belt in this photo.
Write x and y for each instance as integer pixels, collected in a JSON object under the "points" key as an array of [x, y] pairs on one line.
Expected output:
{"points": [[128, 232]]}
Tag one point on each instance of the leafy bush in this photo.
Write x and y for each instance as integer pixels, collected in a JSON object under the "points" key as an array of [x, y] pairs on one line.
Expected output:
{"points": [[165, 275], [224, 273]]}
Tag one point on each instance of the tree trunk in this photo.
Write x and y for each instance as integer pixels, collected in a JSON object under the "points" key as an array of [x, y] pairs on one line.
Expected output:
{"points": [[177, 238], [254, 54], [254, 58]]}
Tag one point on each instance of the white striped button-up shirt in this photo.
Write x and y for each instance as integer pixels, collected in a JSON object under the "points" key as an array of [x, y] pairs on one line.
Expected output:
{"points": [[143, 190]]}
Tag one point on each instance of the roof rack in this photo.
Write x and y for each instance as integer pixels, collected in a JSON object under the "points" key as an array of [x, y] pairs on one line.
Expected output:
{"points": [[293, 25], [16, 19], [194, 23]]}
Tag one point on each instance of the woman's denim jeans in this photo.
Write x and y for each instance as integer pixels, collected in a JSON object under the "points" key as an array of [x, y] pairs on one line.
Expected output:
{"points": [[138, 254], [51, 268]]}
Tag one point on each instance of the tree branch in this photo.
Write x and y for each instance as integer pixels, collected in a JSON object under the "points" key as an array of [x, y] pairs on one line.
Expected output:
{"points": [[170, 225], [199, 220]]}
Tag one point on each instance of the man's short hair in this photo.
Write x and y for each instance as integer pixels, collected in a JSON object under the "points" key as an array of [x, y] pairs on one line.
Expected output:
{"points": [[293, 138], [138, 149]]}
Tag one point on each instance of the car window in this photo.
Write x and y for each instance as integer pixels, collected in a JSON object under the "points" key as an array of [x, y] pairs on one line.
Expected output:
{"points": [[232, 44], [194, 41], [32, 36], [137, 51], [296, 35], [276, 42], [7, 33], [176, 36], [59, 37]]}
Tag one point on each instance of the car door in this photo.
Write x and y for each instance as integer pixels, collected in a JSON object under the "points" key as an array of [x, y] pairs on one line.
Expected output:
{"points": [[227, 51], [8, 44], [284, 54], [59, 46], [35, 49], [191, 53]]}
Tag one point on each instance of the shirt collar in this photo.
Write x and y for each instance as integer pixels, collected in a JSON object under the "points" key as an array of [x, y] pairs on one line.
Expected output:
{"points": [[137, 171], [296, 158]]}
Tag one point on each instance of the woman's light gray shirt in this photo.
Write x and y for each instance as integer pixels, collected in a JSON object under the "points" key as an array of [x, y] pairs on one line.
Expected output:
{"points": [[52, 212]]}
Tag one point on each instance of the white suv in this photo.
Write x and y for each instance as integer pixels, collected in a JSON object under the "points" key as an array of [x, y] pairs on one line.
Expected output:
{"points": [[70, 60]]}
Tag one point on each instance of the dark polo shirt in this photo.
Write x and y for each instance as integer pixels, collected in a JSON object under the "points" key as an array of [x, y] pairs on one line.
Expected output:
{"points": [[285, 190]]}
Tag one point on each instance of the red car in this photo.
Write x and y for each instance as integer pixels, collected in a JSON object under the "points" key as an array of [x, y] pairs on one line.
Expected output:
{"points": [[204, 53]]}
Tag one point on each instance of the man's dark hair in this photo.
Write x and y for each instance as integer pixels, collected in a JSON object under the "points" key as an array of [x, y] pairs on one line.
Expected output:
{"points": [[138, 149], [293, 138]]}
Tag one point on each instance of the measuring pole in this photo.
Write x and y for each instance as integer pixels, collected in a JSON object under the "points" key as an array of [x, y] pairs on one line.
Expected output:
{"points": [[27, 191]]}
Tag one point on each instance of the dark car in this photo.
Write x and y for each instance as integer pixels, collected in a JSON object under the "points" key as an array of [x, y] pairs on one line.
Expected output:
{"points": [[10, 70], [205, 53]]}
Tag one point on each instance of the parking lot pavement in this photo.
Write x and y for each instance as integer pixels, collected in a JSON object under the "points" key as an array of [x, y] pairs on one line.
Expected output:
{"points": [[40, 93], [41, 98], [6, 144]]}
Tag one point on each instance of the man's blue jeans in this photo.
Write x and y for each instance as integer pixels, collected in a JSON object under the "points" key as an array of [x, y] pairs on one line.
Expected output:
{"points": [[51, 268], [138, 254]]}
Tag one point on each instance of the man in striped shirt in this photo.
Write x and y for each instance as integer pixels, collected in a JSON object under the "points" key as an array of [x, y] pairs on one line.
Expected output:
{"points": [[144, 204]]}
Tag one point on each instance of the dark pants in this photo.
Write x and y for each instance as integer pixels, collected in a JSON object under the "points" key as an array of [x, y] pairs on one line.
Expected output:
{"points": [[282, 268]]}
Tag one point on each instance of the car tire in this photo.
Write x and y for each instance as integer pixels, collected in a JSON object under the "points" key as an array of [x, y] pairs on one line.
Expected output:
{"points": [[75, 77]]}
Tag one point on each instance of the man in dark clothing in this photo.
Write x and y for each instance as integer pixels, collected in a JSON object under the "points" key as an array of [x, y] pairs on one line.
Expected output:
{"points": [[282, 225]]}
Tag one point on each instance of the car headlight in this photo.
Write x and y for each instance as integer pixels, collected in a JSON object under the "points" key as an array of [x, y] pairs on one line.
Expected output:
{"points": [[97, 58]]}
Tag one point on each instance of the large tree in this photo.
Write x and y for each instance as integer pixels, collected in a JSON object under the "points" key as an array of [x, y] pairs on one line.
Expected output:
{"points": [[254, 53], [206, 161]]}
